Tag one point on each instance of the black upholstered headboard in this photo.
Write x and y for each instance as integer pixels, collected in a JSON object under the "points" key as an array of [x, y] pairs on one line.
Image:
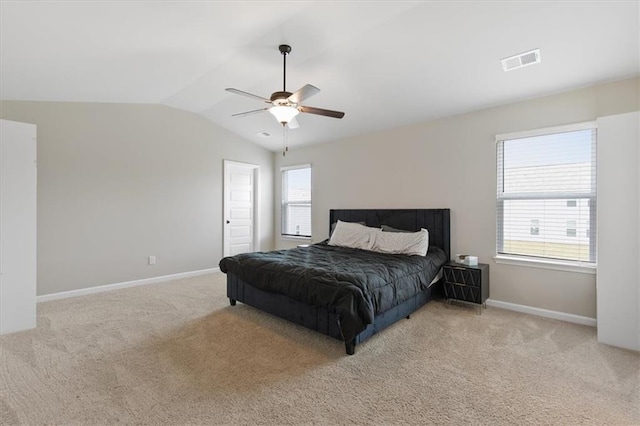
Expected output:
{"points": [[436, 221]]}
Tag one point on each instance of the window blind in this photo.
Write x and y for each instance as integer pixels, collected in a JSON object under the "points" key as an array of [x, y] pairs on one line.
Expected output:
{"points": [[296, 201], [546, 196]]}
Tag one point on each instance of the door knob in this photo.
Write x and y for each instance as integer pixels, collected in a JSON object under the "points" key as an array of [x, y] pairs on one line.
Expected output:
{"points": [[228, 222]]}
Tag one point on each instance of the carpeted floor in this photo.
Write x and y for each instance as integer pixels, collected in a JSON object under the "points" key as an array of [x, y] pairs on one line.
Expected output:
{"points": [[177, 353]]}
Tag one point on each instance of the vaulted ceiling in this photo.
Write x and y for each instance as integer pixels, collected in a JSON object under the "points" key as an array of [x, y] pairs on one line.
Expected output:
{"points": [[385, 64]]}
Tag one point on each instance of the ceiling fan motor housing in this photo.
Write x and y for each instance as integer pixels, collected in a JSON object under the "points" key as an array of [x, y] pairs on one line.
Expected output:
{"points": [[280, 98]]}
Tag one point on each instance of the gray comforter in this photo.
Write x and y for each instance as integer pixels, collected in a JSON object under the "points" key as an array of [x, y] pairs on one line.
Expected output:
{"points": [[356, 284]]}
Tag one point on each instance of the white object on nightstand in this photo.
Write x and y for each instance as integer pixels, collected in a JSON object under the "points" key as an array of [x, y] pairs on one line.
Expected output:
{"points": [[467, 259]]}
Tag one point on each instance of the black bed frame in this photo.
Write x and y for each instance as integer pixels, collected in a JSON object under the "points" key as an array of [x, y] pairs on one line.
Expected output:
{"points": [[437, 221]]}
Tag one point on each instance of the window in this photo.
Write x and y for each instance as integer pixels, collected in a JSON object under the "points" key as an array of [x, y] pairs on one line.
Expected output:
{"points": [[549, 174], [296, 201]]}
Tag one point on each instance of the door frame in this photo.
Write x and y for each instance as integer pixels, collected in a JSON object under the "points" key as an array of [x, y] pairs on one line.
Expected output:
{"points": [[256, 204]]}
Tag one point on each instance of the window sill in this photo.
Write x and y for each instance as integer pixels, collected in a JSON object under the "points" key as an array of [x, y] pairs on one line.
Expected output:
{"points": [[294, 238], [557, 265]]}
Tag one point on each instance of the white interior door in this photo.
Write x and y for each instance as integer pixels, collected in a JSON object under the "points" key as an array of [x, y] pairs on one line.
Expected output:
{"points": [[240, 221], [618, 272], [17, 226]]}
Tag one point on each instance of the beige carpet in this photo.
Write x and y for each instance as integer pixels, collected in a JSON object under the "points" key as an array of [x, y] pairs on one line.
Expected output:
{"points": [[177, 353]]}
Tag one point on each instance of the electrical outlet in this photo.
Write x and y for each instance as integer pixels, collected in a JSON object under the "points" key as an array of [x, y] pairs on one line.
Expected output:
{"points": [[152, 260]]}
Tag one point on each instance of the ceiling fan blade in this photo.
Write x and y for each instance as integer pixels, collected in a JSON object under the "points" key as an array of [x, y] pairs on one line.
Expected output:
{"points": [[303, 93], [293, 123], [250, 95], [249, 112], [320, 111]]}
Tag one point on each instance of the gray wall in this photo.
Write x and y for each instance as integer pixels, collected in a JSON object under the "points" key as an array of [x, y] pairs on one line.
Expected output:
{"points": [[452, 163], [120, 182]]}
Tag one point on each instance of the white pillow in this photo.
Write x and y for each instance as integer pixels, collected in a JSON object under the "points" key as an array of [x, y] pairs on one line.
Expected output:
{"points": [[353, 235], [401, 242]]}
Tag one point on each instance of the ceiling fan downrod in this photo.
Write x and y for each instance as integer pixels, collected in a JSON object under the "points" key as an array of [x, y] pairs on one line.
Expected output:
{"points": [[285, 49]]}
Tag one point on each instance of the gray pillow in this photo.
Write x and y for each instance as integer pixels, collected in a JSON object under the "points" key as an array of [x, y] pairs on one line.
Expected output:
{"points": [[387, 228]]}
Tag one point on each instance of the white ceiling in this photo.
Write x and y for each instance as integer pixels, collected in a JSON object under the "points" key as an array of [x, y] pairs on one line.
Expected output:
{"points": [[385, 64]]}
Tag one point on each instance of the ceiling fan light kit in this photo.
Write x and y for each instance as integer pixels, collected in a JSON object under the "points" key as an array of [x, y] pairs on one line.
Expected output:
{"points": [[286, 105], [283, 113]]}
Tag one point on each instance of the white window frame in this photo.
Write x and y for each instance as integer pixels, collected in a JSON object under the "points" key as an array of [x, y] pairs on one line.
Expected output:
{"points": [[538, 262], [282, 203]]}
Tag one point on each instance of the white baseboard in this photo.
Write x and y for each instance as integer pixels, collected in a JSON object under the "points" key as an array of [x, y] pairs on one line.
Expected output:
{"points": [[562, 316], [126, 284]]}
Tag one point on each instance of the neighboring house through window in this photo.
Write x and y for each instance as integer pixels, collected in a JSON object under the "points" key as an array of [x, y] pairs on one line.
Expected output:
{"points": [[296, 201], [535, 227], [549, 175]]}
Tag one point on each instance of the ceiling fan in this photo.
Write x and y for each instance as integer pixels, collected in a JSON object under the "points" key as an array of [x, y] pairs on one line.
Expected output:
{"points": [[286, 105]]}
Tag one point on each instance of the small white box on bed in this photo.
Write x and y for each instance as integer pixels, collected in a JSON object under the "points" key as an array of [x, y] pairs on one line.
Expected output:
{"points": [[467, 259]]}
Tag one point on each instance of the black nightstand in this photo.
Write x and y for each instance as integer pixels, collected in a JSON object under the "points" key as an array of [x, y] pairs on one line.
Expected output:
{"points": [[467, 283]]}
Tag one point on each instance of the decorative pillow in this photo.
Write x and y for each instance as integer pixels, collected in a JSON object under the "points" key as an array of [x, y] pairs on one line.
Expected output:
{"points": [[387, 228], [415, 243], [353, 235]]}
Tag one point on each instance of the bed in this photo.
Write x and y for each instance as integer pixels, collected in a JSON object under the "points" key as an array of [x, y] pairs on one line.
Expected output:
{"points": [[345, 293]]}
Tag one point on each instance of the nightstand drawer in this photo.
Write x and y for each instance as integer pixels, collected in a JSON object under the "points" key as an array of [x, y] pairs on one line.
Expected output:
{"points": [[462, 276], [462, 292]]}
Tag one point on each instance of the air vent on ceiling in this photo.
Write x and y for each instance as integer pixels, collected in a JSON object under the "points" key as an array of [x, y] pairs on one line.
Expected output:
{"points": [[263, 134], [521, 60]]}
